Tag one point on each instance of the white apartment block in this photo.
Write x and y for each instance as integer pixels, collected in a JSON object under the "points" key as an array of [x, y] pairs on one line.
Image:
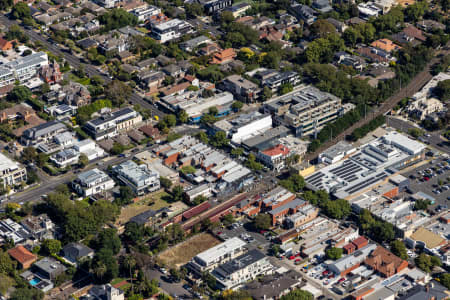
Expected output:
{"points": [[92, 182], [138, 177], [211, 258], [22, 68], [171, 30], [145, 12], [11, 173]]}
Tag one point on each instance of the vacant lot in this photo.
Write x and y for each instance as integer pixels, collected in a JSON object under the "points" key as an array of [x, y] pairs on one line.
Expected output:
{"points": [[153, 201], [182, 253]]}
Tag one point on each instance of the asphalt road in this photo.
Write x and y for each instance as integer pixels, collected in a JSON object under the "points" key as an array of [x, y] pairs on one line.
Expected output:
{"points": [[170, 288], [75, 62]]}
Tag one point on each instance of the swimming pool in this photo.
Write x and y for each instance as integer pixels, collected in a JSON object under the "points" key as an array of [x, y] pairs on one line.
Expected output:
{"points": [[34, 281]]}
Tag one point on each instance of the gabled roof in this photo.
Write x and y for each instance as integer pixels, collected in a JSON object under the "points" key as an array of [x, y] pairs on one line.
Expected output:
{"points": [[21, 254]]}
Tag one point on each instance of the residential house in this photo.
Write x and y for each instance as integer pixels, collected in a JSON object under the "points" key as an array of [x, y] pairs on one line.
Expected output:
{"points": [[214, 6], [323, 6], [239, 9], [75, 94], [410, 35], [49, 268], [174, 71], [40, 227], [138, 177], [274, 286], [303, 12], [151, 80], [24, 257], [51, 73], [5, 45], [190, 45], [104, 292], [74, 252], [223, 57], [241, 88], [430, 25], [385, 45], [42, 133], [92, 182]]}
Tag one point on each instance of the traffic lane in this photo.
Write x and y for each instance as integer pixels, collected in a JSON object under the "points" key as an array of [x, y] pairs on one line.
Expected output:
{"points": [[170, 288]]}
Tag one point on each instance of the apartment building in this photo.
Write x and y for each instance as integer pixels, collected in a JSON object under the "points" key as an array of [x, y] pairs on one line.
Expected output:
{"points": [[22, 68], [42, 133], [274, 80], [40, 227], [92, 182], [110, 124], [274, 157], [11, 172], [213, 6], [219, 254], [306, 110], [241, 88], [145, 12], [138, 177], [171, 30], [233, 274]]}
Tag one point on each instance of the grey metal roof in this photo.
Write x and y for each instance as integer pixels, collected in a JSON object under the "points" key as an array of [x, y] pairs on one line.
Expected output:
{"points": [[43, 129], [239, 263]]}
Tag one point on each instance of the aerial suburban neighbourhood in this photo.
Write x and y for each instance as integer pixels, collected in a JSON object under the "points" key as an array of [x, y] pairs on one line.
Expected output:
{"points": [[224, 149]]}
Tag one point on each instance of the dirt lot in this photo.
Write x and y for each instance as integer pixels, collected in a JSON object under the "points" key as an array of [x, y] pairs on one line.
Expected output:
{"points": [[153, 201], [182, 253]]}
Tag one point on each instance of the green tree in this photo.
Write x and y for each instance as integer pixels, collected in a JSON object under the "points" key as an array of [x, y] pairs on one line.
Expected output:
{"points": [[219, 139], [444, 279], [267, 93], [202, 137], [27, 293], [134, 232], [7, 265], [298, 295], [51, 246], [165, 182], [262, 222], [421, 204], [83, 160], [126, 195], [294, 183], [170, 120], [29, 154], [21, 11], [237, 152], [334, 253], [252, 163], [426, 262], [108, 238], [199, 199], [4, 5], [117, 148], [188, 170], [118, 92], [228, 219], [176, 275], [399, 249], [183, 117], [442, 90], [105, 257], [237, 105], [177, 193], [19, 93], [322, 28], [5, 283], [117, 18], [415, 132], [337, 209]]}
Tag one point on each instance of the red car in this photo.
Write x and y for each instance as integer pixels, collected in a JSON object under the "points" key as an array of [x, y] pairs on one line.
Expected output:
{"points": [[340, 280], [291, 257], [426, 178], [298, 260], [297, 255], [325, 272], [330, 276]]}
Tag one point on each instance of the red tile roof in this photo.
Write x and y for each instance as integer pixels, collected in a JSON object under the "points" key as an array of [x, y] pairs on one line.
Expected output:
{"points": [[277, 150], [21, 254], [360, 242]]}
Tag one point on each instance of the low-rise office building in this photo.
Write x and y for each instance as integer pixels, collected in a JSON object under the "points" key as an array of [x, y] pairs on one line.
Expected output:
{"points": [[306, 110], [244, 126], [233, 274], [138, 177], [92, 182]]}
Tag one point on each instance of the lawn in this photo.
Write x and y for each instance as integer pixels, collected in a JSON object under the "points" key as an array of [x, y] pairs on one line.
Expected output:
{"points": [[153, 201], [183, 252]]}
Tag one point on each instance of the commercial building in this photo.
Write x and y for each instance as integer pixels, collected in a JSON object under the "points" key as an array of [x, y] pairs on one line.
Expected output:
{"points": [[111, 123], [22, 68], [171, 30], [274, 157], [211, 258], [203, 190], [373, 163], [385, 262], [336, 152], [11, 172], [304, 215], [195, 105], [42, 133], [348, 263], [280, 212], [306, 110], [92, 182], [241, 88], [138, 177], [233, 274], [244, 126]]}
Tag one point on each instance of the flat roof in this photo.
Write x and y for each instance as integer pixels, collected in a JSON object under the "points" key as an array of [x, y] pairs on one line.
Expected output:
{"points": [[221, 250], [431, 239]]}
